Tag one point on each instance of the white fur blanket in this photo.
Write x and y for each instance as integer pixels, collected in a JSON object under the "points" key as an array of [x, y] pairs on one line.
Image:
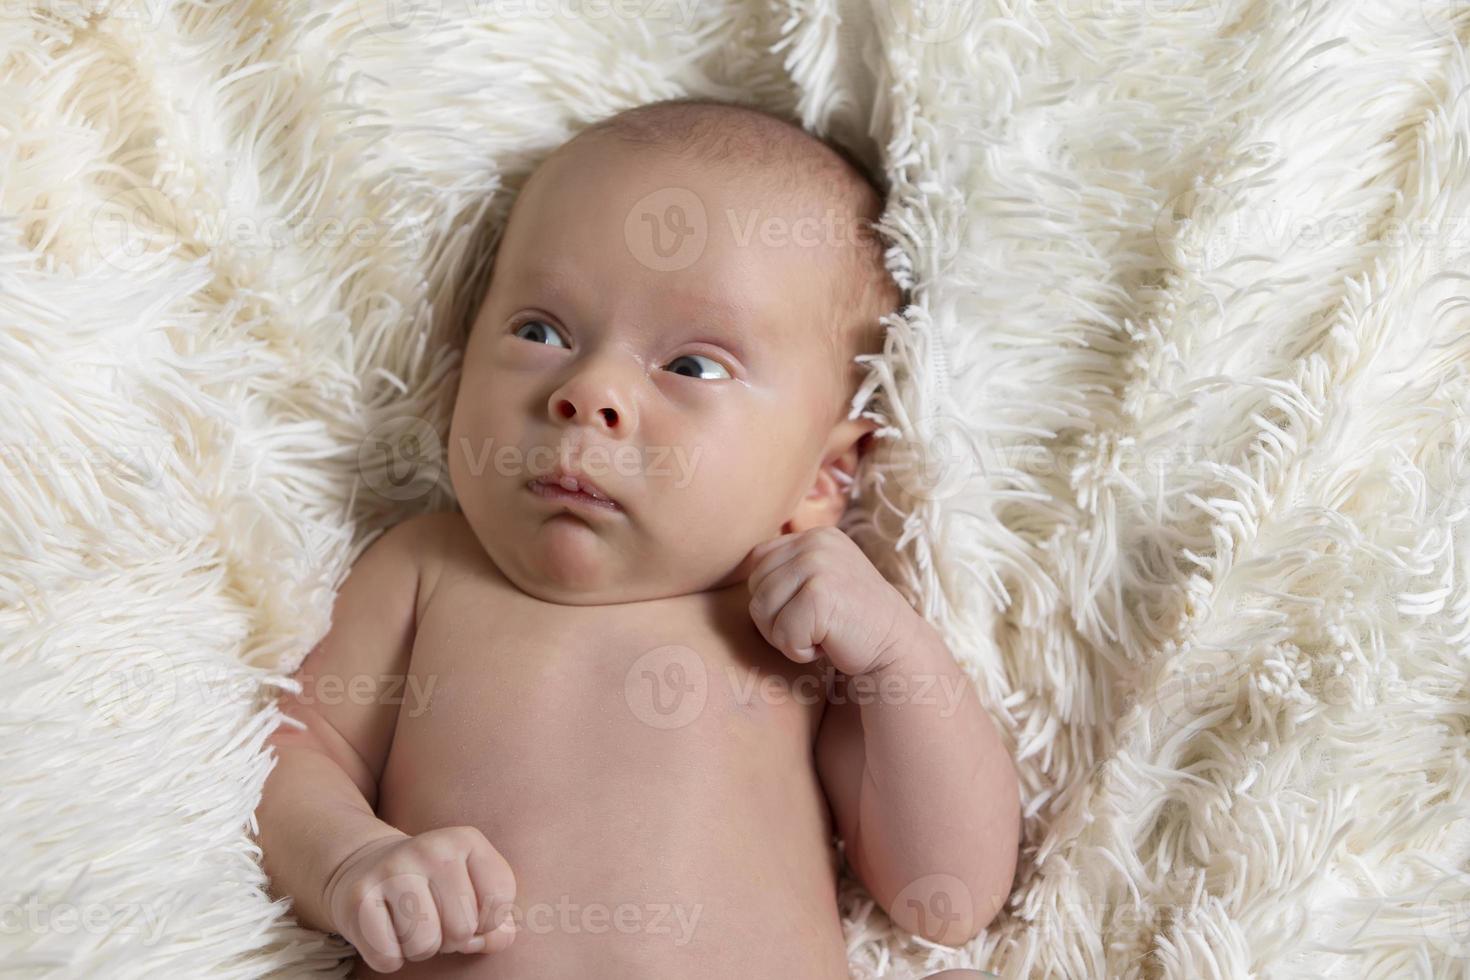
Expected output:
{"points": [[1177, 458]]}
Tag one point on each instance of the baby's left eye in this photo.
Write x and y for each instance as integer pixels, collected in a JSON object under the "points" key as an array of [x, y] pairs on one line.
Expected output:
{"points": [[697, 366]]}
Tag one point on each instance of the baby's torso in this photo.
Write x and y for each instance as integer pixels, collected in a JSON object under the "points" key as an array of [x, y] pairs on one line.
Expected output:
{"points": [[646, 769]]}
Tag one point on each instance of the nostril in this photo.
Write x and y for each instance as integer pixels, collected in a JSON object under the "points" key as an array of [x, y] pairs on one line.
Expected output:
{"points": [[610, 416], [566, 409]]}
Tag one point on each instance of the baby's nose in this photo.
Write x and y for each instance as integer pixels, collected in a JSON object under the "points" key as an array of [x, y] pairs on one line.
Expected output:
{"points": [[600, 396], [568, 411]]}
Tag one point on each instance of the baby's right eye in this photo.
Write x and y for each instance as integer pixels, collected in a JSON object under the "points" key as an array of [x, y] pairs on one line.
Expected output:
{"points": [[541, 332]]}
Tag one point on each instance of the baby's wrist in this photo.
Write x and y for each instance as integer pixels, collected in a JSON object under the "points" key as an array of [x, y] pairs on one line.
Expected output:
{"points": [[912, 645], [370, 841]]}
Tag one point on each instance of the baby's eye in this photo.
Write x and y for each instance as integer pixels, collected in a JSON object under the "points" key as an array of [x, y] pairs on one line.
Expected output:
{"points": [[697, 366], [541, 332]]}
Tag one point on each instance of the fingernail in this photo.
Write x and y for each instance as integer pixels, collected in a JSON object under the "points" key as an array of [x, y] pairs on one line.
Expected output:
{"points": [[475, 945]]}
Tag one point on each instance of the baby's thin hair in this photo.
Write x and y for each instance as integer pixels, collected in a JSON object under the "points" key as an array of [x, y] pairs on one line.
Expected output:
{"points": [[663, 123]]}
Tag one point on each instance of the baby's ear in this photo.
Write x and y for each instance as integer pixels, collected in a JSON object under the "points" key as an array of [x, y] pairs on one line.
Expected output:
{"points": [[827, 497], [851, 438]]}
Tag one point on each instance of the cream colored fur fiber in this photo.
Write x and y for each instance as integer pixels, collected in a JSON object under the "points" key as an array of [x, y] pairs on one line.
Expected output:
{"points": [[1176, 432]]}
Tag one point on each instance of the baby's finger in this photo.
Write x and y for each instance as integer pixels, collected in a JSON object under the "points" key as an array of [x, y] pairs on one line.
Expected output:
{"points": [[761, 552], [375, 938], [415, 919], [774, 592], [495, 890], [458, 908], [773, 559], [795, 629]]}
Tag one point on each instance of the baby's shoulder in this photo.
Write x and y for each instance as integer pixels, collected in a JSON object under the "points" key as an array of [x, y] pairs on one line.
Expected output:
{"points": [[434, 530], [442, 544]]}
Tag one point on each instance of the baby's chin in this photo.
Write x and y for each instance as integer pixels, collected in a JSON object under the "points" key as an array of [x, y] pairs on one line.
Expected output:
{"points": [[565, 561]]}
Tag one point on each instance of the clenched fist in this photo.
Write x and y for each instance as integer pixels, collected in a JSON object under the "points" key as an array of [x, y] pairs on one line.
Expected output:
{"points": [[814, 593], [407, 898]]}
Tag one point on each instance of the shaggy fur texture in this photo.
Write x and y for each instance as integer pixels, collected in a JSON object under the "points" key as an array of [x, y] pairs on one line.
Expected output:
{"points": [[1176, 443]]}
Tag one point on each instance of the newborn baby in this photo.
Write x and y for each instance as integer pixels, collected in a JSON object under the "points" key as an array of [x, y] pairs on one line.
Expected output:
{"points": [[606, 721]]}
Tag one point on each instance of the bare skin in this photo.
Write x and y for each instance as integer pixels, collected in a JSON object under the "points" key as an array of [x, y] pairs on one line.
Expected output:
{"points": [[566, 770], [624, 731]]}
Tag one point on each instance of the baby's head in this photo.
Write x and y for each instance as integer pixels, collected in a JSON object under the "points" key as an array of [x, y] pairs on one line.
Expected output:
{"points": [[673, 313]]}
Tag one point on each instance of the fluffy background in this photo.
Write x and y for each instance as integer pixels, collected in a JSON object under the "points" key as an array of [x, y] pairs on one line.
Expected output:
{"points": [[1177, 455]]}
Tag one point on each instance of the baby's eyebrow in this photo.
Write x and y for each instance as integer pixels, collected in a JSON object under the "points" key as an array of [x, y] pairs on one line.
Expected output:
{"points": [[736, 324], [551, 281]]}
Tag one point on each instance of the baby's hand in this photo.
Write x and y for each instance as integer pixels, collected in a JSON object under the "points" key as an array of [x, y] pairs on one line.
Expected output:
{"points": [[408, 898], [814, 593]]}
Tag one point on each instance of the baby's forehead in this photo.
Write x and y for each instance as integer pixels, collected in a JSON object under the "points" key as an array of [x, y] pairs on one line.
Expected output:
{"points": [[673, 213], [769, 191]]}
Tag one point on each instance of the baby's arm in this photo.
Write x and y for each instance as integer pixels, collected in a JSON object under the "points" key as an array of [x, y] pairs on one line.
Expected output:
{"points": [[318, 804], [922, 791], [921, 788]]}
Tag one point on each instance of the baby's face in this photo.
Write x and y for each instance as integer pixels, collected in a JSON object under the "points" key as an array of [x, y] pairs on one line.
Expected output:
{"points": [[699, 394]]}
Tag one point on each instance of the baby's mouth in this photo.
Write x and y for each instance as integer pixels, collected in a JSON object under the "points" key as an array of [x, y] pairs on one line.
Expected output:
{"points": [[565, 488]]}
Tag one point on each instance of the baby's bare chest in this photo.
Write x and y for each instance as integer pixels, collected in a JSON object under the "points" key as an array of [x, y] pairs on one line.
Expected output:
{"points": [[640, 706], [641, 759]]}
